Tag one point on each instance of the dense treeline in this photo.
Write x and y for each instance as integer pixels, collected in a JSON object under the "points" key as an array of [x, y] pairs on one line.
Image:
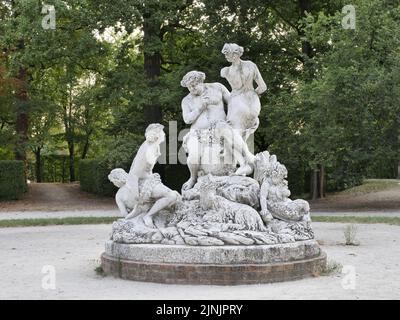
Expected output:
{"points": [[89, 87]]}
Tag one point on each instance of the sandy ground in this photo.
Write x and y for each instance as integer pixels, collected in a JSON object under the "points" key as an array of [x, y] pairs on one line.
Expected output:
{"points": [[74, 252], [57, 200], [57, 197], [60, 214], [387, 200], [53, 197]]}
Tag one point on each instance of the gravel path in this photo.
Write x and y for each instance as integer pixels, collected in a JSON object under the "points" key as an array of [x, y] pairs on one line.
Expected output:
{"points": [[59, 200], [74, 251], [57, 197], [57, 214]]}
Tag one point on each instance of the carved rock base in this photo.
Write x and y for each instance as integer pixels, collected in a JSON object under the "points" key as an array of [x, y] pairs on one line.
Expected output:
{"points": [[213, 265]]}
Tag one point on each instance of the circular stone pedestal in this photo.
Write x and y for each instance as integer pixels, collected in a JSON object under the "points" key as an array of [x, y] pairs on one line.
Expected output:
{"points": [[217, 265]]}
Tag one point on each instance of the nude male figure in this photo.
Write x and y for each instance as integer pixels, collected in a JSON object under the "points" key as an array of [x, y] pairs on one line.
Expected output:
{"points": [[203, 108]]}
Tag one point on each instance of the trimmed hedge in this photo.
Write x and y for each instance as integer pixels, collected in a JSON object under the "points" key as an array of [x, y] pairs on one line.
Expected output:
{"points": [[93, 177], [12, 179]]}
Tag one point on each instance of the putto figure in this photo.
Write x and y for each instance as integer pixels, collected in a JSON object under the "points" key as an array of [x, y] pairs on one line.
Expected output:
{"points": [[141, 191], [244, 105], [274, 191]]}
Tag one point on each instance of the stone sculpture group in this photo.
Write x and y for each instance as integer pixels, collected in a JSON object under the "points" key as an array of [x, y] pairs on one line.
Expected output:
{"points": [[220, 204]]}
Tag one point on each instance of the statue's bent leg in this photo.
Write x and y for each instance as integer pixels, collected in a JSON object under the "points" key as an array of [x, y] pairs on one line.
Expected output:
{"points": [[249, 131], [238, 148], [121, 206], [166, 197], [193, 161], [135, 212]]}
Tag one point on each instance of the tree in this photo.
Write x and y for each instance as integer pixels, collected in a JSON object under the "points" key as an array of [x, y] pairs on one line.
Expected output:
{"points": [[352, 105], [31, 50], [7, 122], [42, 121]]}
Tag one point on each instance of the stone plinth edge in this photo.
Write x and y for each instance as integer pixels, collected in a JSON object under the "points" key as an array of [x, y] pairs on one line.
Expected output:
{"points": [[235, 265]]}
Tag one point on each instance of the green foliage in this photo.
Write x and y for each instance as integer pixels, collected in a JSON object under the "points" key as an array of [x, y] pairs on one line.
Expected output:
{"points": [[90, 94], [121, 151], [350, 109], [63, 67], [331, 267], [12, 180], [357, 219], [93, 177]]}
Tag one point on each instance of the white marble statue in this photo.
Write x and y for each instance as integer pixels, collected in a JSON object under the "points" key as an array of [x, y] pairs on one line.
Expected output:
{"points": [[203, 109], [141, 187], [244, 104], [220, 204], [274, 191]]}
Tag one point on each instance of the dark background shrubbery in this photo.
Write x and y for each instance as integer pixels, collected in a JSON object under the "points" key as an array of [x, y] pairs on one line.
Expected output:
{"points": [[12, 180], [93, 177]]}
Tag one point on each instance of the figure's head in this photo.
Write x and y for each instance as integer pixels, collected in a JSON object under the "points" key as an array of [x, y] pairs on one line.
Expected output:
{"points": [[232, 52], [194, 81], [118, 177], [155, 133], [277, 173], [268, 167]]}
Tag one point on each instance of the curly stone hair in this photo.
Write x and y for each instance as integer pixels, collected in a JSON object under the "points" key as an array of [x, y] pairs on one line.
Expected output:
{"points": [[267, 166], [118, 177], [151, 132], [232, 48], [193, 77]]}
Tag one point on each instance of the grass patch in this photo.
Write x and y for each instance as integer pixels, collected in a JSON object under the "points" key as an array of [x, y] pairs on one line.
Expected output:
{"points": [[332, 267], [55, 221], [353, 219], [99, 271], [350, 235], [108, 220], [369, 186]]}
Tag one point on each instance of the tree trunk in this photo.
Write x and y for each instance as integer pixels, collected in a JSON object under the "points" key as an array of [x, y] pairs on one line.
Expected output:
{"points": [[321, 181], [38, 164], [152, 68], [305, 6], [22, 120], [306, 48], [63, 170], [71, 149], [85, 148], [314, 179]]}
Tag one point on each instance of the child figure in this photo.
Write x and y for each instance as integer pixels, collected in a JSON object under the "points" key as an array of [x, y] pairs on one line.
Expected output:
{"points": [[141, 186]]}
